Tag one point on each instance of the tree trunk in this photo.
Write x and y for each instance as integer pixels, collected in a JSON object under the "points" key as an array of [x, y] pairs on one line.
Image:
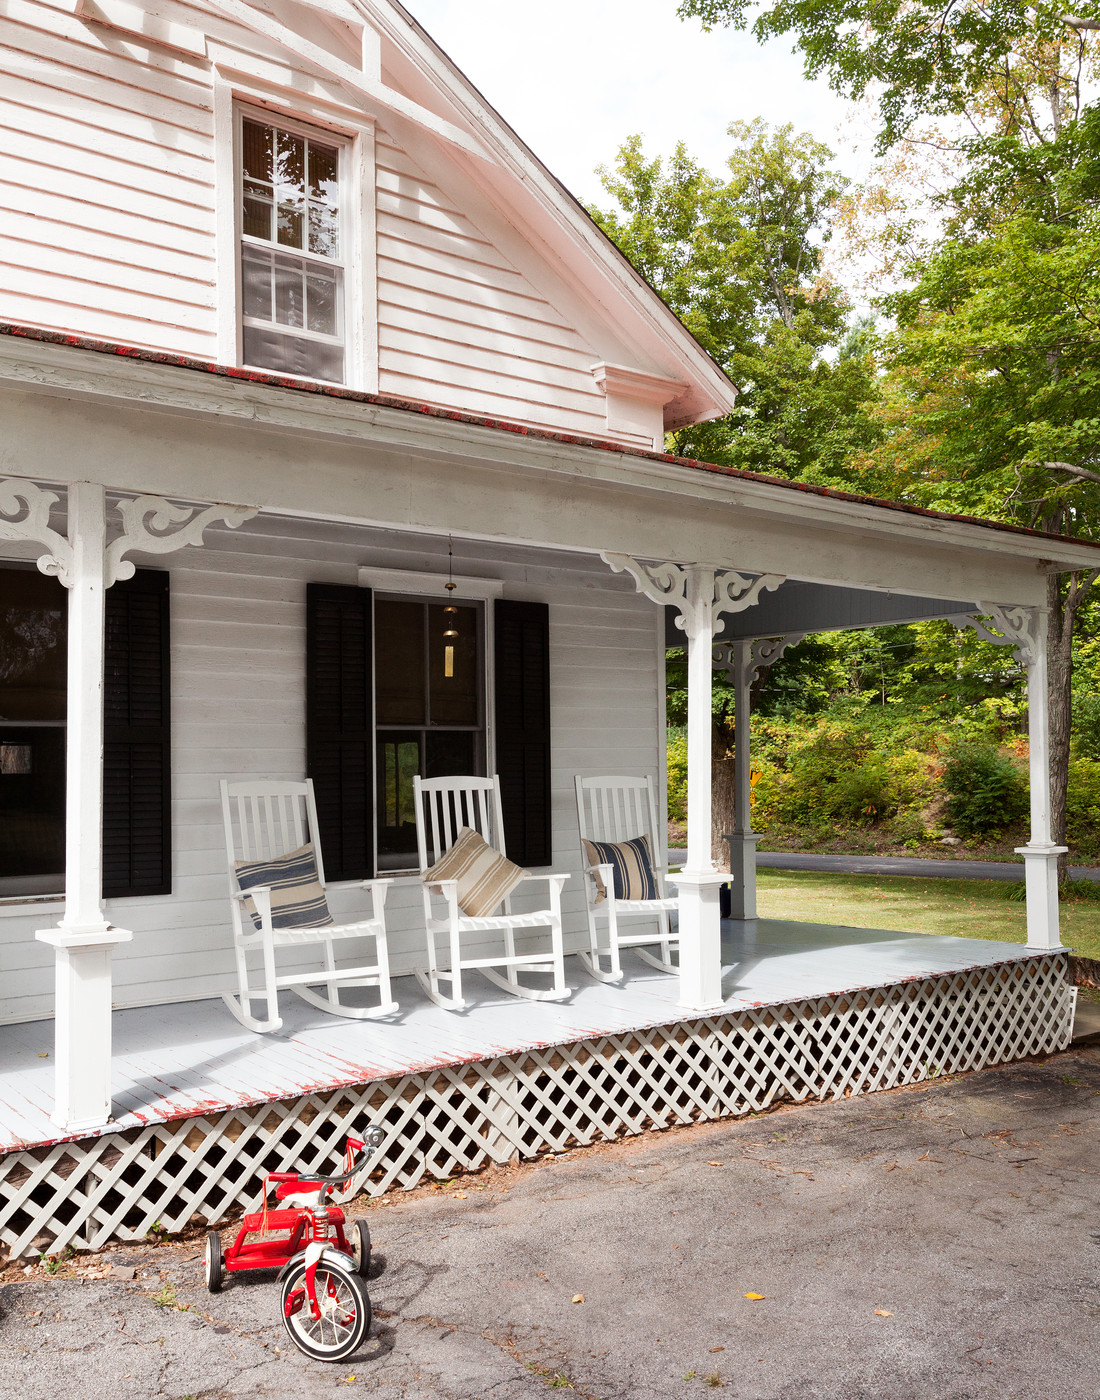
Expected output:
{"points": [[722, 809]]}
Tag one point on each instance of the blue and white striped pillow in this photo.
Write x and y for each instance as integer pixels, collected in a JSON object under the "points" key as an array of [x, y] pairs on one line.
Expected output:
{"points": [[297, 899], [631, 865]]}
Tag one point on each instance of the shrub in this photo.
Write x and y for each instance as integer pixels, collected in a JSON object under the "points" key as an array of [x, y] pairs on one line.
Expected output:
{"points": [[1083, 804], [677, 777], [1086, 725], [985, 790]]}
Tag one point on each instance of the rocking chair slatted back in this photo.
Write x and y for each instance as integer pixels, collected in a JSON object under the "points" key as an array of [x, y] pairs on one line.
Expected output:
{"points": [[264, 820], [449, 804], [618, 809]]}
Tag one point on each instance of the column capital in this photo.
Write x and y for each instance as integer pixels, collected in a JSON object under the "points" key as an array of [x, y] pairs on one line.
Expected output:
{"points": [[1015, 626], [701, 593], [763, 653]]}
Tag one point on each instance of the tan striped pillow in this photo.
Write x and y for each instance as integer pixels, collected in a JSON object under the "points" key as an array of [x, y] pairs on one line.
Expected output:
{"points": [[485, 877]]}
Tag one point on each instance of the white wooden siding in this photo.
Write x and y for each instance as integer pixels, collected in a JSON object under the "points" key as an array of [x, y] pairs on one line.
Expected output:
{"points": [[106, 184], [238, 709], [459, 326]]}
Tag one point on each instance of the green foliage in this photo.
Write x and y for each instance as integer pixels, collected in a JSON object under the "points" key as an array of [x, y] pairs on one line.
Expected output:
{"points": [[1086, 726], [677, 776], [1083, 804], [739, 259], [922, 57], [986, 792]]}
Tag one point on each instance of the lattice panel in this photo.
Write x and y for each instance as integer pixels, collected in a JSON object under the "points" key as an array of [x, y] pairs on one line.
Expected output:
{"points": [[199, 1170]]}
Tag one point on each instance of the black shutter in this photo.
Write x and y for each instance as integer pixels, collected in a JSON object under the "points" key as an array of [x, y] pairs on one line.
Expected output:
{"points": [[137, 754], [339, 733], [521, 658]]}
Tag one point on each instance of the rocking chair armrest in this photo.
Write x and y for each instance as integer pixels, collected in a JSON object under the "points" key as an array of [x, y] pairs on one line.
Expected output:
{"points": [[357, 884], [561, 879]]}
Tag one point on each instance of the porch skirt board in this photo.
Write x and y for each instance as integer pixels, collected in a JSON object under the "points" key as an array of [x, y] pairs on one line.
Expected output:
{"points": [[201, 1171]]}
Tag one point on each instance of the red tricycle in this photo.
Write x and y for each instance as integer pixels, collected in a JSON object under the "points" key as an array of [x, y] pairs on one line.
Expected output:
{"points": [[322, 1257]]}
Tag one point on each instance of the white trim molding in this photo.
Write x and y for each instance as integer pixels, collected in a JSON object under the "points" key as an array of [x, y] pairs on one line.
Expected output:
{"points": [[431, 585]]}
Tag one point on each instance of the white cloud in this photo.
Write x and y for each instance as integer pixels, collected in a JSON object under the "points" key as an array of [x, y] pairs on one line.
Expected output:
{"points": [[576, 77]]}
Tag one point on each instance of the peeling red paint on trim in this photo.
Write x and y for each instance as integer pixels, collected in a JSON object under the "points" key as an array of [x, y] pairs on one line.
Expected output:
{"points": [[336, 391]]}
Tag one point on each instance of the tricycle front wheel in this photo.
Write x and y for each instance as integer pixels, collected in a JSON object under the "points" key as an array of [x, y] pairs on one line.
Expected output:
{"points": [[359, 1239], [344, 1307], [215, 1264]]}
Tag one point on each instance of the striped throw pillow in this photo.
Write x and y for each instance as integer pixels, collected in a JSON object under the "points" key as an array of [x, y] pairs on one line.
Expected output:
{"points": [[485, 877], [631, 865], [297, 899]]}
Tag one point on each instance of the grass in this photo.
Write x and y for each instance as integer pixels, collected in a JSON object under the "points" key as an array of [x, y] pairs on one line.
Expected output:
{"points": [[961, 908]]}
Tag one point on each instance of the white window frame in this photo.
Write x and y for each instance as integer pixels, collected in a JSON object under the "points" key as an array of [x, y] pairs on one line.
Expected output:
{"points": [[233, 100]]}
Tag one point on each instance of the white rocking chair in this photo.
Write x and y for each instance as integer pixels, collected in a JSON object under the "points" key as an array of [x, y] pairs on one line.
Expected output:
{"points": [[263, 821], [620, 809], [443, 807]]}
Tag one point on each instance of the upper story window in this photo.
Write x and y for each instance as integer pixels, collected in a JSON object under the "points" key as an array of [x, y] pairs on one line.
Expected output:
{"points": [[292, 268]]}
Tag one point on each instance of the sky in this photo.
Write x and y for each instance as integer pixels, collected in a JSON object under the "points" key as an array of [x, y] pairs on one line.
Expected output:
{"points": [[574, 78]]}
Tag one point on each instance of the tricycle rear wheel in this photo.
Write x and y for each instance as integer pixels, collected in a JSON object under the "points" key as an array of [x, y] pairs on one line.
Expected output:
{"points": [[359, 1234], [215, 1264]]}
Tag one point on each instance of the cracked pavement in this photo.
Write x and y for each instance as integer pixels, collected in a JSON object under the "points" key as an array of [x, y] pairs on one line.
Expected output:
{"points": [[934, 1243]]}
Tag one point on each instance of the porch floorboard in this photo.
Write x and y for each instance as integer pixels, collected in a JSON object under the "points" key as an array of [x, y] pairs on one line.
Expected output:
{"points": [[189, 1058]]}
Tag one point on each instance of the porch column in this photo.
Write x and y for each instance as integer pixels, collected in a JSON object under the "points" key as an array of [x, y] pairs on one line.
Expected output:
{"points": [[1026, 630], [1040, 854], [87, 563], [84, 941], [701, 594]]}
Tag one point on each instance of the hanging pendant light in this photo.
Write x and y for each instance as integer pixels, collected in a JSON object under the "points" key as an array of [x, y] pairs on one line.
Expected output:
{"points": [[450, 618]]}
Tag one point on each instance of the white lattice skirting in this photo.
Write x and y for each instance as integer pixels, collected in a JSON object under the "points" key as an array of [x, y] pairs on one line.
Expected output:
{"points": [[200, 1170]]}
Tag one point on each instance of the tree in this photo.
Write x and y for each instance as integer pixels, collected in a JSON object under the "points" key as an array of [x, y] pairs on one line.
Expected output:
{"points": [[739, 259], [931, 58]]}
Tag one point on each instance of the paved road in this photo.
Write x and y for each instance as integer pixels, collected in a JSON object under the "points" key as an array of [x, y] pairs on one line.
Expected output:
{"points": [[948, 868], [939, 1243]]}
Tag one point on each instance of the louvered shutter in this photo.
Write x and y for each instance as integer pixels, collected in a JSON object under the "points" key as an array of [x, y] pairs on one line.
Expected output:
{"points": [[137, 755], [339, 731], [521, 658]]}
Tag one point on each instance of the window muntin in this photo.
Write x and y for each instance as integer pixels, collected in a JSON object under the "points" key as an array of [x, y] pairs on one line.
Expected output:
{"points": [[292, 275], [429, 667], [33, 616]]}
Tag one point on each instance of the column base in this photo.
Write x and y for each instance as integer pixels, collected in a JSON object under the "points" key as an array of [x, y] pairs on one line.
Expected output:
{"points": [[742, 847], [1041, 888], [82, 1023], [700, 939]]}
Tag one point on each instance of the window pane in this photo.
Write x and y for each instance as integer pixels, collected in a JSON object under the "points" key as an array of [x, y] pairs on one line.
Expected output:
{"points": [[32, 801], [321, 294], [289, 292], [453, 663], [33, 610], [257, 217], [256, 284], [451, 754], [398, 762], [322, 231], [322, 174], [256, 151], [290, 172], [290, 226], [291, 354], [399, 662]]}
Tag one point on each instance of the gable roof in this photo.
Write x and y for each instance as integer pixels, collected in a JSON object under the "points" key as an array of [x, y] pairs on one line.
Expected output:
{"points": [[421, 84]]}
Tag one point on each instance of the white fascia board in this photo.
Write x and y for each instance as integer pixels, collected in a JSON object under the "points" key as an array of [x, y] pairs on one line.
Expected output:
{"points": [[77, 373]]}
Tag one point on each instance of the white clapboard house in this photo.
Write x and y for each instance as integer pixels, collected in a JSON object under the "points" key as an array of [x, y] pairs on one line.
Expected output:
{"points": [[297, 332]]}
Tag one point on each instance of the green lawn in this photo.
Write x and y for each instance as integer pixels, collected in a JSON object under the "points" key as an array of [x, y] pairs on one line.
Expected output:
{"points": [[964, 908]]}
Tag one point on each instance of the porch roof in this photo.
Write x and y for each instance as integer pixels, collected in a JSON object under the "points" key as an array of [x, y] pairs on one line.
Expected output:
{"points": [[353, 396]]}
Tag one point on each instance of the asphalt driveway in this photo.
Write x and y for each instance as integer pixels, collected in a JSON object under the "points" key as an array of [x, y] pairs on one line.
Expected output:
{"points": [[939, 1242]]}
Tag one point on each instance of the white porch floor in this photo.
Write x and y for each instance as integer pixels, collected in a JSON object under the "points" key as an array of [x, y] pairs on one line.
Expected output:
{"points": [[190, 1058]]}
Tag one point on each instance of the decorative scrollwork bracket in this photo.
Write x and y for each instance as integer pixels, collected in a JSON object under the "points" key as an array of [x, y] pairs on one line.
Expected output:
{"points": [[25, 515], [1017, 627], [762, 654], [147, 526], [701, 593]]}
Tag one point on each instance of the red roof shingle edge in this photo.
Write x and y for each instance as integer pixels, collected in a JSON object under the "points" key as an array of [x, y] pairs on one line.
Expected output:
{"points": [[335, 391]]}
